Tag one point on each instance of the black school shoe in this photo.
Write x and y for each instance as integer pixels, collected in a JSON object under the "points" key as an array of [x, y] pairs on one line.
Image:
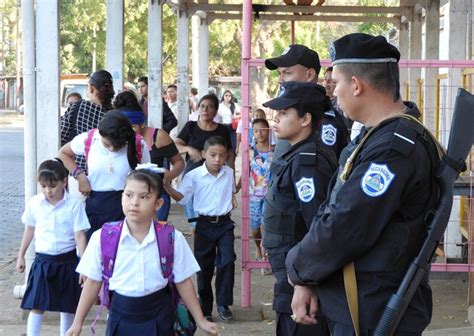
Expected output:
{"points": [[225, 313]]}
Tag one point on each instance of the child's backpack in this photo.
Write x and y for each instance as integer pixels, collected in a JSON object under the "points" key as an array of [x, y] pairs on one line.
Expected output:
{"points": [[90, 136], [109, 239]]}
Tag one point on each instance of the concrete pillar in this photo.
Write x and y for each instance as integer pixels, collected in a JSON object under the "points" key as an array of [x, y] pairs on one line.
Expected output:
{"points": [[403, 46], [200, 46], [431, 53], [114, 42], [415, 53], [155, 72], [183, 69], [455, 23], [29, 96], [47, 79]]}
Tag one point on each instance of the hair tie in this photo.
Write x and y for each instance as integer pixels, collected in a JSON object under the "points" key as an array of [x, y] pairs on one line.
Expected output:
{"points": [[152, 167]]}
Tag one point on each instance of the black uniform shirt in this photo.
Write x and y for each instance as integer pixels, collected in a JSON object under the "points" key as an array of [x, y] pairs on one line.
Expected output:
{"points": [[376, 219], [298, 185]]}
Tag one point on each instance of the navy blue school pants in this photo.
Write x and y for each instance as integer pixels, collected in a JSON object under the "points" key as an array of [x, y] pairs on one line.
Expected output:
{"points": [[214, 247]]}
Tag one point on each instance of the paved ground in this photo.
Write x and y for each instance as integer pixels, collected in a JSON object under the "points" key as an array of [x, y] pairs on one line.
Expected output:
{"points": [[450, 310]]}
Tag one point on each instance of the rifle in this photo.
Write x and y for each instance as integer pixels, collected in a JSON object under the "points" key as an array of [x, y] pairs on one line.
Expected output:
{"points": [[461, 140]]}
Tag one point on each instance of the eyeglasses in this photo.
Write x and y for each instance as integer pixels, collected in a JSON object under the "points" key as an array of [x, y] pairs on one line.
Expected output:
{"points": [[206, 107]]}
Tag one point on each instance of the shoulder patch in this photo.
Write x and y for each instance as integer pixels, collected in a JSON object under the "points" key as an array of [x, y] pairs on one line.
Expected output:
{"points": [[376, 180], [329, 134], [306, 189]]}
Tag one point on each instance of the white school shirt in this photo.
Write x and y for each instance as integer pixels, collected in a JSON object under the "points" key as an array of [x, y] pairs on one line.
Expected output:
{"points": [[212, 195], [55, 224], [137, 270], [226, 113], [107, 170]]}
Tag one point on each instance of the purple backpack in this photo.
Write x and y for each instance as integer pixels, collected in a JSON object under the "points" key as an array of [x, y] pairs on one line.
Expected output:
{"points": [[109, 239]]}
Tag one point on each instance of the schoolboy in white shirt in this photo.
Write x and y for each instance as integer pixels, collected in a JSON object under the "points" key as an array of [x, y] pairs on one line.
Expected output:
{"points": [[211, 188]]}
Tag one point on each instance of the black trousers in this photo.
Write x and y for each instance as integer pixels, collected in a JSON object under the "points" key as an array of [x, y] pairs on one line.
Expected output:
{"points": [[340, 329], [282, 296], [214, 247]]}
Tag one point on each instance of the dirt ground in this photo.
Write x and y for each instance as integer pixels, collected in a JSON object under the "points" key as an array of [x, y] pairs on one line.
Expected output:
{"points": [[450, 296]]}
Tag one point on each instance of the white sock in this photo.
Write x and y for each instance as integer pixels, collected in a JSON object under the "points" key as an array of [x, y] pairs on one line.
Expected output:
{"points": [[33, 327], [66, 320]]}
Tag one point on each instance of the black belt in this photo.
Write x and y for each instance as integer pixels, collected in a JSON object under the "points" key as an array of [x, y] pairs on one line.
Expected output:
{"points": [[210, 219]]}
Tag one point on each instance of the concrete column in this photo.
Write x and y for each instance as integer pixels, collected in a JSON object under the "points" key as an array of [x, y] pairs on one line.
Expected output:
{"points": [[203, 56], [415, 53], [47, 79], [455, 23], [114, 42], [431, 53], [155, 72], [29, 96], [183, 69], [200, 49], [404, 47]]}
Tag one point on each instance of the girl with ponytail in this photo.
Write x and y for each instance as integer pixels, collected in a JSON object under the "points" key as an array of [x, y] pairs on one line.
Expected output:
{"points": [[111, 151]]}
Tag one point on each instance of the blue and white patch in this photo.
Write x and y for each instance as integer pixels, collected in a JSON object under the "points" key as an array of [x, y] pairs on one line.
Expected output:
{"points": [[376, 180], [306, 189], [329, 134]]}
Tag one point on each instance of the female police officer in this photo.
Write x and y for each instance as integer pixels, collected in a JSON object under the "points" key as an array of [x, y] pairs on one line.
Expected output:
{"points": [[298, 184], [374, 216]]}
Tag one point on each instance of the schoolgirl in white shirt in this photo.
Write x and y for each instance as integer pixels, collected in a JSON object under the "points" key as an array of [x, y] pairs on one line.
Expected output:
{"points": [[57, 222], [112, 155], [141, 303]]}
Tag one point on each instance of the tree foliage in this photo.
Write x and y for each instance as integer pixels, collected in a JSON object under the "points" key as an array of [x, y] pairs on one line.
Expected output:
{"points": [[83, 31]]}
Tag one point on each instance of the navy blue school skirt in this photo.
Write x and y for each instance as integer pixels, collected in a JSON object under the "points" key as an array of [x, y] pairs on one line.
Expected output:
{"points": [[53, 284], [103, 207], [150, 315]]}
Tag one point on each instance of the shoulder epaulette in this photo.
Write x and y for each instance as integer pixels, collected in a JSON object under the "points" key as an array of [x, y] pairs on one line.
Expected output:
{"points": [[330, 113], [405, 136], [307, 159]]}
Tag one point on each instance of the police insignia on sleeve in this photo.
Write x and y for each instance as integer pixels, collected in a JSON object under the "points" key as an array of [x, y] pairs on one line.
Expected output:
{"points": [[306, 189], [329, 134], [376, 180]]}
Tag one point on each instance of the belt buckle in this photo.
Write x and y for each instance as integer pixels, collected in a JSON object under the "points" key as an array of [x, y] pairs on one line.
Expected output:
{"points": [[216, 220]]}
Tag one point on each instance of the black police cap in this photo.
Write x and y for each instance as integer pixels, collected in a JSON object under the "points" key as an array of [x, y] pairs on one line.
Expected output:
{"points": [[295, 54], [294, 93], [363, 48]]}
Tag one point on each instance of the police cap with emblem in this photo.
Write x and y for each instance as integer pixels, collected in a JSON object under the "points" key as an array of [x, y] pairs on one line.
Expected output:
{"points": [[295, 54], [296, 93], [363, 48]]}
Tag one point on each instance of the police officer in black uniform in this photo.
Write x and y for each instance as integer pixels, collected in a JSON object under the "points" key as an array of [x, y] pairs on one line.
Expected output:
{"points": [[374, 216], [298, 184], [301, 64]]}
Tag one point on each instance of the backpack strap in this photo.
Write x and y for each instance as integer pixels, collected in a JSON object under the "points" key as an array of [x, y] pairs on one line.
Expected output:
{"points": [[138, 146], [165, 240], [109, 240], [87, 147]]}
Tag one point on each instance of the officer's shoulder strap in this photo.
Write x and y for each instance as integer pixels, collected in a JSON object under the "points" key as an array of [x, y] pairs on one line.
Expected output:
{"points": [[330, 113], [306, 154], [406, 133], [404, 139]]}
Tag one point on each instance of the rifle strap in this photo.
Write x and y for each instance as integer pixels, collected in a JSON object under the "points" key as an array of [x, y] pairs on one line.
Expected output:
{"points": [[350, 286]]}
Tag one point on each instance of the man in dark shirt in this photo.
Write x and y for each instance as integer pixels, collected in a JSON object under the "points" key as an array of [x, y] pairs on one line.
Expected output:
{"points": [[169, 120], [301, 64]]}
